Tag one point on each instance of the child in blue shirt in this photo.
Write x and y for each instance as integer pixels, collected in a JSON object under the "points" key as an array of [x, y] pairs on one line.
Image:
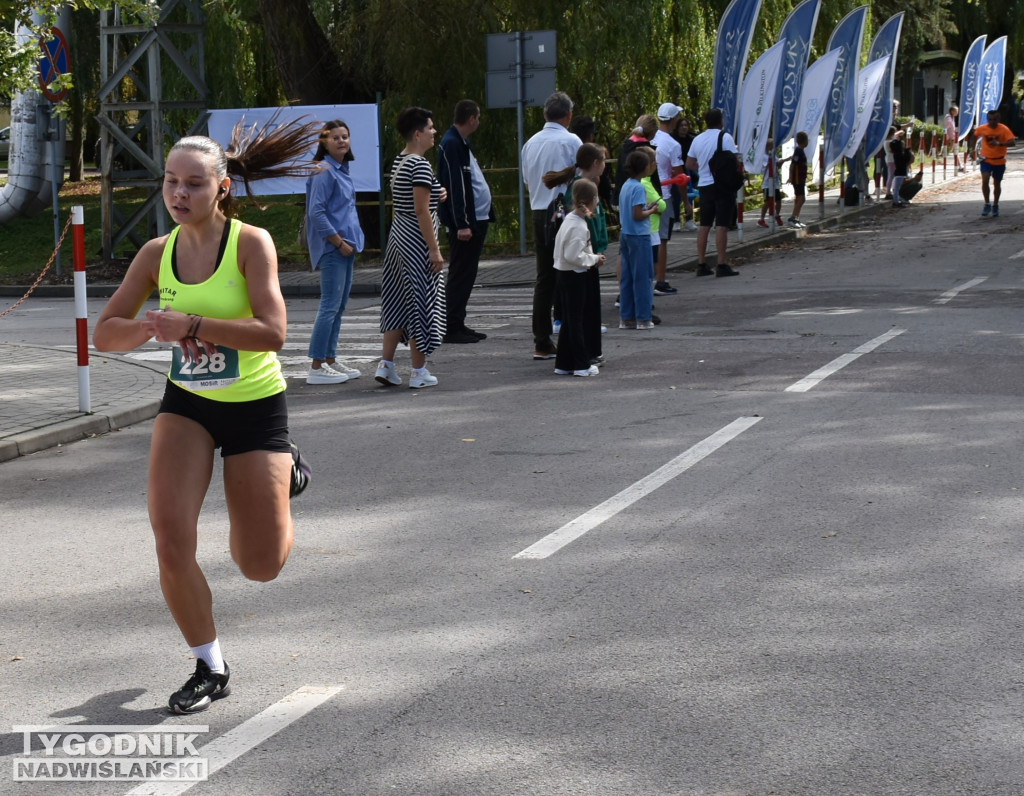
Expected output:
{"points": [[636, 289]]}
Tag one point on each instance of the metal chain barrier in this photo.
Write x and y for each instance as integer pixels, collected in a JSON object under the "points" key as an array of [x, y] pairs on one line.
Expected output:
{"points": [[42, 273]]}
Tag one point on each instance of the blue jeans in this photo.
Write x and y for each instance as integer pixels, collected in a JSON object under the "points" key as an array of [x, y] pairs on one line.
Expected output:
{"points": [[636, 293], [335, 284], [897, 183]]}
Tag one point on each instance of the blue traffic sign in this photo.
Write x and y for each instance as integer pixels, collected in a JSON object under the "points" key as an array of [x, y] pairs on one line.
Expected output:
{"points": [[56, 61]]}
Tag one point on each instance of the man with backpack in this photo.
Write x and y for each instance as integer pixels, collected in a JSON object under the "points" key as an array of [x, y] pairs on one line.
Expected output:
{"points": [[713, 154]]}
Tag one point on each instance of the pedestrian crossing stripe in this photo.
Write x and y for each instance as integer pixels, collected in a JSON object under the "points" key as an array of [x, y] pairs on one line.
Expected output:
{"points": [[359, 340]]}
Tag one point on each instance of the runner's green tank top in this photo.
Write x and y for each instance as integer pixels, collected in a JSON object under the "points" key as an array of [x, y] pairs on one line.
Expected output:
{"points": [[229, 375]]}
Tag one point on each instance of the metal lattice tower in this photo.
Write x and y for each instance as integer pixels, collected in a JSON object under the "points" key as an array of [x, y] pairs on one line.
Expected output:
{"points": [[136, 123]]}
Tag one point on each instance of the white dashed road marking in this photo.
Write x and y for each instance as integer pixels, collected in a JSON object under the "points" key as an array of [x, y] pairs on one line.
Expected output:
{"points": [[573, 530], [235, 743]]}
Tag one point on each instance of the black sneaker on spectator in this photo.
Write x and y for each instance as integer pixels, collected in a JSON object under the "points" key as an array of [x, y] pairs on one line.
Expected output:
{"points": [[664, 289], [704, 270], [200, 690], [461, 337], [475, 333]]}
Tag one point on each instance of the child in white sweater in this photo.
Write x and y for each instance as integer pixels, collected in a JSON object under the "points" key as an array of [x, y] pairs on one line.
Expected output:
{"points": [[573, 257]]}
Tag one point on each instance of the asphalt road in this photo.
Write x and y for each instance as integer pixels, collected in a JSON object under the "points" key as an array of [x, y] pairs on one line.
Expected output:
{"points": [[788, 555]]}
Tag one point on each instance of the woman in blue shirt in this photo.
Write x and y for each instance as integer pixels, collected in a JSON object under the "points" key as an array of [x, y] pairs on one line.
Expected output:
{"points": [[334, 237]]}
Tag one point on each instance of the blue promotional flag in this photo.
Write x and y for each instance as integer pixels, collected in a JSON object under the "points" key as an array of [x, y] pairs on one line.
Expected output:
{"points": [[970, 87], [993, 62], [886, 42], [731, 49], [798, 32], [842, 106]]}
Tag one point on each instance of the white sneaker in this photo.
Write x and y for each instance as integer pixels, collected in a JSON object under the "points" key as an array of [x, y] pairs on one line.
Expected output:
{"points": [[424, 379], [591, 371], [348, 370], [689, 226], [562, 372], [386, 375], [325, 375], [604, 329]]}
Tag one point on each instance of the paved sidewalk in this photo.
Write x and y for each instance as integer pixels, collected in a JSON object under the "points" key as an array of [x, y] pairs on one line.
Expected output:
{"points": [[39, 386], [39, 404]]}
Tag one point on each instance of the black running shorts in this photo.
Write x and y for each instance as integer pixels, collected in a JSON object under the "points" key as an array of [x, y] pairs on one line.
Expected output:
{"points": [[236, 427]]}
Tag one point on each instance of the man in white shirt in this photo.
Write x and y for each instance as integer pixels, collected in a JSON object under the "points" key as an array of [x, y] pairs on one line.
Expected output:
{"points": [[669, 155], [552, 148], [713, 206]]}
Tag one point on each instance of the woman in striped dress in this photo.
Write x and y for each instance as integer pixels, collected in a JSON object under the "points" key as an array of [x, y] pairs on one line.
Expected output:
{"points": [[412, 288]]}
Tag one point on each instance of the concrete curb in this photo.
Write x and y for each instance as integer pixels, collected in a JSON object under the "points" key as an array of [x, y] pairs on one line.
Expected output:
{"points": [[76, 429]]}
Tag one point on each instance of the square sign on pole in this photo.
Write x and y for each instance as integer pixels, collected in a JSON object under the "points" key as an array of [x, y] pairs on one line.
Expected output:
{"points": [[521, 73], [502, 51], [503, 88], [538, 50]]}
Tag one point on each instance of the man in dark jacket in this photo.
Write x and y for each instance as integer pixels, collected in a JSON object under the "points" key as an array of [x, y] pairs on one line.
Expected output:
{"points": [[465, 214]]}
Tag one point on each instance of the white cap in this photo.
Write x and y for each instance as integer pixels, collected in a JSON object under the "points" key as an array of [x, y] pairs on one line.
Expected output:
{"points": [[668, 111]]}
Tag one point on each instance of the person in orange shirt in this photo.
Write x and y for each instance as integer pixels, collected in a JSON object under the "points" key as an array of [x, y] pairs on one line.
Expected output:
{"points": [[993, 140]]}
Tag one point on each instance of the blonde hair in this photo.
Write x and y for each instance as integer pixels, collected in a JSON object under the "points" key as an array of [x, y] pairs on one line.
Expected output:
{"points": [[646, 125], [584, 192]]}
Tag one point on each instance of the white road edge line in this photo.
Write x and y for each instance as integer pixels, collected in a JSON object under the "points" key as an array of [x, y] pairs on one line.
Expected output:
{"points": [[837, 364], [949, 295], [1018, 256], [235, 743], [574, 529]]}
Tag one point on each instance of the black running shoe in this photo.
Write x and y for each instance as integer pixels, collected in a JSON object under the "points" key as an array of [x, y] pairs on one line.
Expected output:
{"points": [[301, 473], [200, 690]]}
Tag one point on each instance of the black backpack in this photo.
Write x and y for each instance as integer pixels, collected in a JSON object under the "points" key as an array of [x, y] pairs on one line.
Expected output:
{"points": [[554, 215], [725, 170]]}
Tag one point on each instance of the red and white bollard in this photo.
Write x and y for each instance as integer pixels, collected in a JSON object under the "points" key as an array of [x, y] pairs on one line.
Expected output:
{"points": [[821, 181], [740, 199], [81, 307]]}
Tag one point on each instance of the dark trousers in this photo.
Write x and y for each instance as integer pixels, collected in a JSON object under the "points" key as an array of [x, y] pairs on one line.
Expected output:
{"points": [[572, 297], [544, 287], [592, 314], [462, 270]]}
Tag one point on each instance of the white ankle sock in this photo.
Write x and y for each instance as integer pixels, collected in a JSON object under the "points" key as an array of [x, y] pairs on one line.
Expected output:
{"points": [[211, 654]]}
